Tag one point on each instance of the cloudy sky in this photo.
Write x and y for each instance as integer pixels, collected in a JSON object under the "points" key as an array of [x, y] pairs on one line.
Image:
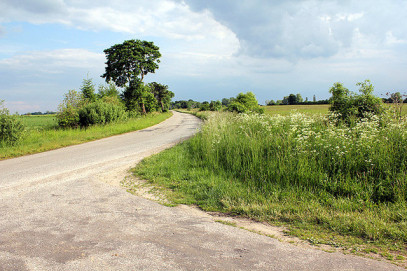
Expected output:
{"points": [[210, 48]]}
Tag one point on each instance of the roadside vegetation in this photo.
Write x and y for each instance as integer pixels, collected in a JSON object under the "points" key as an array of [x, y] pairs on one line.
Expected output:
{"points": [[38, 140], [338, 178], [124, 104]]}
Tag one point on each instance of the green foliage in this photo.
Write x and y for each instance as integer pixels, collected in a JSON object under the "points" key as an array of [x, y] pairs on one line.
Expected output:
{"points": [[162, 95], [351, 106], [150, 103], [68, 110], [226, 101], [245, 103], [215, 106], [270, 102], [137, 97], [109, 90], [11, 128], [204, 106], [131, 61], [88, 90], [127, 64], [101, 113]]}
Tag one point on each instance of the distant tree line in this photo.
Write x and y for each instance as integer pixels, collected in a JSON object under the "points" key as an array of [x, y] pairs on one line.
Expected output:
{"points": [[40, 113], [242, 103], [293, 99], [395, 97]]}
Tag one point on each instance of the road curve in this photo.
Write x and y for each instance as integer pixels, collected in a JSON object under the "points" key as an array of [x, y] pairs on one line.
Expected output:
{"points": [[60, 211]]}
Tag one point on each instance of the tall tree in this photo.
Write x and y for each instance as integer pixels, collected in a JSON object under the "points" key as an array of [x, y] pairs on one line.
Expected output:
{"points": [[162, 95], [292, 99], [129, 62]]}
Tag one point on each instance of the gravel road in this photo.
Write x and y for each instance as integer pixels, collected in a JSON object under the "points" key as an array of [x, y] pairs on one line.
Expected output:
{"points": [[65, 210]]}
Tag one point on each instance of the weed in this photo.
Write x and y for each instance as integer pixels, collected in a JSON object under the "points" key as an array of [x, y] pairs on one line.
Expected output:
{"points": [[228, 223]]}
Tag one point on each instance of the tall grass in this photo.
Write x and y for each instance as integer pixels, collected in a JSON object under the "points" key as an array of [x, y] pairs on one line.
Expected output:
{"points": [[367, 162], [37, 139], [298, 169]]}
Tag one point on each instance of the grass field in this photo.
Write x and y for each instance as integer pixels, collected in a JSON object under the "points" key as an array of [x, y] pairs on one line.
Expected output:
{"points": [[42, 135], [288, 109], [328, 184], [39, 122]]}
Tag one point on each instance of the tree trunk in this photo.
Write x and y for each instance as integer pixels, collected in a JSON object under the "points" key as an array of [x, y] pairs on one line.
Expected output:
{"points": [[162, 106], [144, 108]]}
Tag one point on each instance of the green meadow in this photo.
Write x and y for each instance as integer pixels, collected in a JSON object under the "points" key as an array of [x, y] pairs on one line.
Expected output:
{"points": [[39, 122]]}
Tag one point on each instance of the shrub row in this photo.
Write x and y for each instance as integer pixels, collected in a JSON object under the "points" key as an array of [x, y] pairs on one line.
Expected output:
{"points": [[100, 112]]}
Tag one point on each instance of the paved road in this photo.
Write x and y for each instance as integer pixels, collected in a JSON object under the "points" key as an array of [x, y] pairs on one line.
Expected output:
{"points": [[63, 210]]}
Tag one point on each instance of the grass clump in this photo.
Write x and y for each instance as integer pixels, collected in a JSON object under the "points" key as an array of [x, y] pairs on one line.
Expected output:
{"points": [[333, 182]]}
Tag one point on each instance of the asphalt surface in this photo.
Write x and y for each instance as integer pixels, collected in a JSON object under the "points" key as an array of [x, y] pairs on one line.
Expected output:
{"points": [[63, 210]]}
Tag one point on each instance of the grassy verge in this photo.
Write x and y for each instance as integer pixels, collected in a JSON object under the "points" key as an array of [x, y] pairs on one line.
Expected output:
{"points": [[39, 140], [329, 185]]}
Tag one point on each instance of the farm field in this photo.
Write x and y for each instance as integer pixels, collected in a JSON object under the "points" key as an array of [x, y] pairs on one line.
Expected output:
{"points": [[39, 122], [288, 109], [328, 184], [42, 134]]}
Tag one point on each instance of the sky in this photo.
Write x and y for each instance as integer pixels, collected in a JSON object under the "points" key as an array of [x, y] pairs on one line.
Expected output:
{"points": [[210, 49]]}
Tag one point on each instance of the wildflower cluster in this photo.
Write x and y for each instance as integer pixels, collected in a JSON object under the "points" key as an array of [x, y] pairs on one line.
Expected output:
{"points": [[366, 160]]}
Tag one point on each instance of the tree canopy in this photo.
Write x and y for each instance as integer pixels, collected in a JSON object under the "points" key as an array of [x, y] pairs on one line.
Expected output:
{"points": [[162, 95], [130, 61]]}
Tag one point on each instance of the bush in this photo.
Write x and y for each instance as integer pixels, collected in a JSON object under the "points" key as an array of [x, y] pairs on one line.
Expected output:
{"points": [[204, 106], [68, 110], [245, 103], [100, 113], [351, 106], [215, 106], [11, 128]]}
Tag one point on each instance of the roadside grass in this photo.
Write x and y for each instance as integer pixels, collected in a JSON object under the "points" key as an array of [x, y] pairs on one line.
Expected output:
{"points": [[338, 186], [38, 139]]}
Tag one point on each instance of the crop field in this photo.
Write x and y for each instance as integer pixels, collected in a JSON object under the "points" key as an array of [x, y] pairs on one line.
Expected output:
{"points": [[329, 184]]}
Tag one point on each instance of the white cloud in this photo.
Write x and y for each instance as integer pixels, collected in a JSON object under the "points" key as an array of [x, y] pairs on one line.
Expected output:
{"points": [[41, 77], [163, 18], [306, 29], [55, 61]]}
